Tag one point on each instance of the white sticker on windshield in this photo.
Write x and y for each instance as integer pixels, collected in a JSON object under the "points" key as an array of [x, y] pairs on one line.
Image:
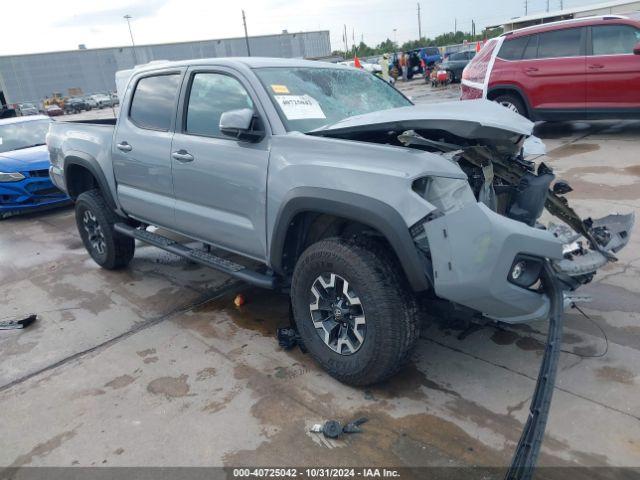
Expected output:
{"points": [[299, 107]]}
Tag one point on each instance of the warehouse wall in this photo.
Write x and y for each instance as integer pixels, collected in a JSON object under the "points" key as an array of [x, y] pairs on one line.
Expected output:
{"points": [[30, 78]]}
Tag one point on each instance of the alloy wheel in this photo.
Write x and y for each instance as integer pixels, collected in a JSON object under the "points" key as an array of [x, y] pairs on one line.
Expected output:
{"points": [[337, 314], [95, 235]]}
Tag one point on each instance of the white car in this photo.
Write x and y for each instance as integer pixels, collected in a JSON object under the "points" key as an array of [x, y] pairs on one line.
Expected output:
{"points": [[102, 100]]}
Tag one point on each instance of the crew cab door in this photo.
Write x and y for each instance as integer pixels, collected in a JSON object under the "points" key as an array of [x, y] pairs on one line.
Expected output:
{"points": [[141, 149], [613, 71], [220, 182]]}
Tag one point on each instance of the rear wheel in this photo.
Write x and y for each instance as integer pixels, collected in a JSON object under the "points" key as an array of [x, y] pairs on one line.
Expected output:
{"points": [[354, 311], [512, 102], [95, 220]]}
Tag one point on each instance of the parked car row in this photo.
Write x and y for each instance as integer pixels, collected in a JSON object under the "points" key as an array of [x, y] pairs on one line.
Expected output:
{"points": [[576, 69]]}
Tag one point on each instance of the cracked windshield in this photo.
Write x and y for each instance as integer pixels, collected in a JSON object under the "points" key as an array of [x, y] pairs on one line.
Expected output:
{"points": [[310, 98]]}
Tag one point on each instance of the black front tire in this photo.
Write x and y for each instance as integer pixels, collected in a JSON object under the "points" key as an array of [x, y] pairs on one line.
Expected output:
{"points": [[389, 306], [95, 220]]}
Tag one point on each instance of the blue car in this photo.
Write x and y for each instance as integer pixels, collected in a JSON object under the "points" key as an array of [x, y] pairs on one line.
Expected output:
{"points": [[430, 55], [24, 166]]}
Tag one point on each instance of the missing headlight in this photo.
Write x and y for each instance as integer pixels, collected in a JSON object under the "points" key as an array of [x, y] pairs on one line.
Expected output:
{"points": [[446, 194]]}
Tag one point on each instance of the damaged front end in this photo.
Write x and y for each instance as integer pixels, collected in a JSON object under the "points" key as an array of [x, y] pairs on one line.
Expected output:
{"points": [[484, 240], [509, 185]]}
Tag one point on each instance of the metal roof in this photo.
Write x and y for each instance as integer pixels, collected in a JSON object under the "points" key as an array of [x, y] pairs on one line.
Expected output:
{"points": [[566, 11]]}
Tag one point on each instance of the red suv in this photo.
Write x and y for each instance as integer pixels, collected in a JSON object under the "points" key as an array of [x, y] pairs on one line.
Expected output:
{"points": [[576, 69]]}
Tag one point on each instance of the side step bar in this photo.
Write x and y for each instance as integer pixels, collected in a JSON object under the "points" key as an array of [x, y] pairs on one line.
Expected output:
{"points": [[204, 258]]}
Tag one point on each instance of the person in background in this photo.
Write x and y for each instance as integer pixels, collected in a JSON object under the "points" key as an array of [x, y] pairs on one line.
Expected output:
{"points": [[404, 65], [384, 64]]}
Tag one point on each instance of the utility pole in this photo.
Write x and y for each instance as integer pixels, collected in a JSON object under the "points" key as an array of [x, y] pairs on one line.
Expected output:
{"points": [[246, 35], [561, 5], [128, 17], [419, 23], [526, 7], [473, 28], [455, 25], [547, 6], [344, 36]]}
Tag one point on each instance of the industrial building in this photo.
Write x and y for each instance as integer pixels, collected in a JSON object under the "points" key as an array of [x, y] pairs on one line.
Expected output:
{"points": [[33, 77], [613, 7]]}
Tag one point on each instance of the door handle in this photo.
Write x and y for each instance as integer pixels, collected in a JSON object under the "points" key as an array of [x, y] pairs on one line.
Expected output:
{"points": [[596, 66], [531, 69], [182, 156], [124, 147]]}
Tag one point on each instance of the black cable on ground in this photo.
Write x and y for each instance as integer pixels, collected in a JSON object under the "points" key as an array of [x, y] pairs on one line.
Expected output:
{"points": [[528, 449]]}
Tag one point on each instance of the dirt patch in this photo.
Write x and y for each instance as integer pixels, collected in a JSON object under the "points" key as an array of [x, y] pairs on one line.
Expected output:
{"points": [[118, 451], [170, 387], [90, 392], [572, 149], [263, 312], [219, 404], [205, 373], [530, 344], [120, 382], [633, 170], [148, 351], [616, 374], [45, 448], [571, 338], [504, 337]]}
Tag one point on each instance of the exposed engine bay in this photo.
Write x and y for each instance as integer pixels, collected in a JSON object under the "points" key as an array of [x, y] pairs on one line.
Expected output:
{"points": [[494, 158]]}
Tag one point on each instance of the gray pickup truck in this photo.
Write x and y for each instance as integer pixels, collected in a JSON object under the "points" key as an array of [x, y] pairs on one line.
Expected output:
{"points": [[358, 203]]}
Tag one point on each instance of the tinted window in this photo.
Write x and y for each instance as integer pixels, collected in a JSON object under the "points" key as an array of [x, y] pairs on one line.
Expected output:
{"points": [[614, 39], [154, 100], [431, 51], [531, 50], [458, 56], [513, 49], [211, 95], [560, 43]]}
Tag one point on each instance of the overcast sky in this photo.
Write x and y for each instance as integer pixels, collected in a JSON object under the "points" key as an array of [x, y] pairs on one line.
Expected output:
{"points": [[30, 26]]}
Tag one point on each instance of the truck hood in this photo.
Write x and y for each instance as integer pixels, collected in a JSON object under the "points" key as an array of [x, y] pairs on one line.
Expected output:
{"points": [[24, 160], [467, 119]]}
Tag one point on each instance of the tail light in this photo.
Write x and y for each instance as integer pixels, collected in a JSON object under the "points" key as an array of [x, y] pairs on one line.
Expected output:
{"points": [[477, 69]]}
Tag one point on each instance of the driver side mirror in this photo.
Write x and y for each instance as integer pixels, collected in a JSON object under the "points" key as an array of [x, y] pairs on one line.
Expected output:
{"points": [[242, 124], [636, 49]]}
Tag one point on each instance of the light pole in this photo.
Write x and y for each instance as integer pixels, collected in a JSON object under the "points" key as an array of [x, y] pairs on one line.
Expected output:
{"points": [[128, 17], [395, 36]]}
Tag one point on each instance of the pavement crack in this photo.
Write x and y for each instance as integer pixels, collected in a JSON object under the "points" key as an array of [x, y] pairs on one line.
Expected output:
{"points": [[225, 288]]}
